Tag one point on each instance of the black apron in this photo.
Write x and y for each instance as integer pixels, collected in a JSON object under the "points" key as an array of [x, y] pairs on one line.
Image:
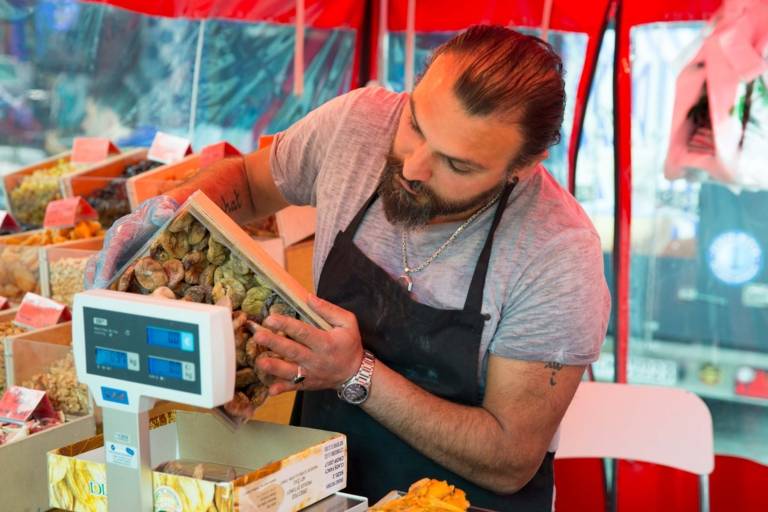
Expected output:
{"points": [[437, 349]]}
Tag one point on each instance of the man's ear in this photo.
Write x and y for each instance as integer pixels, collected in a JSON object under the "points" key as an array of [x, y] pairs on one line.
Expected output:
{"points": [[527, 170]]}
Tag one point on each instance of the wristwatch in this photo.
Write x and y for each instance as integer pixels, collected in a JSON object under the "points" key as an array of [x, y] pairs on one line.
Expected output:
{"points": [[355, 391]]}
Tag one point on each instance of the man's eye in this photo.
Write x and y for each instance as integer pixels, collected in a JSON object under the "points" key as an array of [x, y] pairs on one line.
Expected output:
{"points": [[456, 168]]}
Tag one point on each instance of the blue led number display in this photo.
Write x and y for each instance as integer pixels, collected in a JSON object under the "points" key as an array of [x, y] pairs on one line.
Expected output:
{"points": [[179, 340], [164, 368], [111, 358]]}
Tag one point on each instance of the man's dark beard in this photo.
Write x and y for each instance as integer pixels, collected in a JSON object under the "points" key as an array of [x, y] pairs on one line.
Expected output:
{"points": [[405, 209]]}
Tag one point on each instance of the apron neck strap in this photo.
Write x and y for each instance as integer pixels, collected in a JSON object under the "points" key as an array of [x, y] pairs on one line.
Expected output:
{"points": [[474, 300]]}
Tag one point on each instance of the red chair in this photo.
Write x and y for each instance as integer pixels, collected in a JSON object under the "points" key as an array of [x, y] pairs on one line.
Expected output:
{"points": [[659, 425]]}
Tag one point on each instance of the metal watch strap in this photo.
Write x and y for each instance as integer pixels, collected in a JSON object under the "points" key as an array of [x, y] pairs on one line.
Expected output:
{"points": [[363, 376]]}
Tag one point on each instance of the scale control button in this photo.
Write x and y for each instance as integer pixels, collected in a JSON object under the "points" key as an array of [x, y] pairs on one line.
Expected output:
{"points": [[133, 361], [188, 371]]}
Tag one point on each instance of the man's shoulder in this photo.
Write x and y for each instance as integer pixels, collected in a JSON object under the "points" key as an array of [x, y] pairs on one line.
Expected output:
{"points": [[543, 213]]}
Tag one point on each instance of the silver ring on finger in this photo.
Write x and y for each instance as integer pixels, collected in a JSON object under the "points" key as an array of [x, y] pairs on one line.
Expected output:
{"points": [[299, 378]]}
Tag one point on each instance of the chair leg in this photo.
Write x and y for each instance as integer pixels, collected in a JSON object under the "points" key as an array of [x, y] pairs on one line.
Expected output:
{"points": [[704, 493]]}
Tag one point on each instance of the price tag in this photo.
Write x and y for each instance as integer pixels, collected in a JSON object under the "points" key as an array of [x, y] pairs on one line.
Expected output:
{"points": [[19, 405], [36, 312], [167, 148], [7, 223], [67, 212], [216, 152], [4, 303], [86, 150]]}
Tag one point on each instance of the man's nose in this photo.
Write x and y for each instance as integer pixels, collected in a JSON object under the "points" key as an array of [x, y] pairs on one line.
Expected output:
{"points": [[417, 166]]}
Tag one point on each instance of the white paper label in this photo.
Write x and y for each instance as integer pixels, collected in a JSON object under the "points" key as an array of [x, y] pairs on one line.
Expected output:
{"points": [[121, 455], [304, 479]]}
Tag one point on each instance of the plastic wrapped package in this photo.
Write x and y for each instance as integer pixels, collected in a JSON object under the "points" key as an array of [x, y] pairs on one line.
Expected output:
{"points": [[201, 470], [43, 359]]}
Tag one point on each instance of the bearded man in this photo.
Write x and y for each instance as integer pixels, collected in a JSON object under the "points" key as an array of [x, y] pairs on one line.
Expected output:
{"points": [[465, 287]]}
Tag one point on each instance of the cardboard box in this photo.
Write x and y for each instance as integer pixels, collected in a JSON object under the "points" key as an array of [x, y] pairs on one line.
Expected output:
{"points": [[23, 485], [161, 179], [290, 468]]}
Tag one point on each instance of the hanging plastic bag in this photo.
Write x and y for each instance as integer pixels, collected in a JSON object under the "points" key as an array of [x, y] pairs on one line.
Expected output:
{"points": [[720, 117]]}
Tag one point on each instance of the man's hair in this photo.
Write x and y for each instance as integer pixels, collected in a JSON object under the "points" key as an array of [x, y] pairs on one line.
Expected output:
{"points": [[512, 75]]}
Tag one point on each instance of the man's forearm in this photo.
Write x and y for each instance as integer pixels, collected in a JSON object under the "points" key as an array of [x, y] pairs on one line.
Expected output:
{"points": [[467, 440], [241, 186]]}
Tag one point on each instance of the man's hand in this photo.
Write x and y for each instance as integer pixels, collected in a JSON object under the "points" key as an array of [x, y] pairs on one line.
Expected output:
{"points": [[125, 237], [327, 358]]}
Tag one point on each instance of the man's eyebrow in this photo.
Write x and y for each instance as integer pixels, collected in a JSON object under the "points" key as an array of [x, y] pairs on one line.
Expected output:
{"points": [[454, 159]]}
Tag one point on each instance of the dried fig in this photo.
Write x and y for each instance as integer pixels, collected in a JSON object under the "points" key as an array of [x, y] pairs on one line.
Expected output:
{"points": [[195, 294], [125, 280], [174, 269], [174, 244], [163, 292], [181, 223], [217, 253], [150, 274], [231, 288], [238, 265], [245, 377], [192, 259], [196, 233]]}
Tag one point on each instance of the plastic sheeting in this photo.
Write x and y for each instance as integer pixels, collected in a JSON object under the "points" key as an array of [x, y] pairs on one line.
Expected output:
{"points": [[69, 68]]}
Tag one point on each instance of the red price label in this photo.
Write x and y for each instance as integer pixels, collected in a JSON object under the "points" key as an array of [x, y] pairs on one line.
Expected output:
{"points": [[4, 303], [67, 212], [216, 152], [7, 223], [265, 140], [36, 312], [19, 405], [86, 150], [168, 148]]}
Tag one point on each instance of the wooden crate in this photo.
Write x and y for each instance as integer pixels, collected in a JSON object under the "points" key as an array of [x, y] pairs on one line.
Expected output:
{"points": [[34, 259], [161, 179], [52, 253], [85, 182], [13, 180], [230, 234]]}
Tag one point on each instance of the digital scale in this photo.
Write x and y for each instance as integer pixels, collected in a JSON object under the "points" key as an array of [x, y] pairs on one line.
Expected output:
{"points": [[132, 350]]}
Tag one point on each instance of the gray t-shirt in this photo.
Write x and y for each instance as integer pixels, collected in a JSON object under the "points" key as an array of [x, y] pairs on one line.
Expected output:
{"points": [[545, 291]]}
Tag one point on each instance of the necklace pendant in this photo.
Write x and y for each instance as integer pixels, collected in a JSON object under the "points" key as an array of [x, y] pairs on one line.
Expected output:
{"points": [[406, 282]]}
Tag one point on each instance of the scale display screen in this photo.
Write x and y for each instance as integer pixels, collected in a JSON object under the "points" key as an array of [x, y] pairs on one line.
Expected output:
{"points": [[179, 340], [165, 368], [111, 358]]}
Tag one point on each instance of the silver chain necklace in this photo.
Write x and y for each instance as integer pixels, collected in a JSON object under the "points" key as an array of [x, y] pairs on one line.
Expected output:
{"points": [[405, 278]]}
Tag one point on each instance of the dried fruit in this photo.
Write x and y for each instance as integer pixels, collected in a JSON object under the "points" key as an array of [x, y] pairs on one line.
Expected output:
{"points": [[150, 274], [60, 382]]}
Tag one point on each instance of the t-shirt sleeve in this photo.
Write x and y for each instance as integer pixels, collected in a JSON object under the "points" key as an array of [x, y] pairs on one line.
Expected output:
{"points": [[298, 153], [558, 310]]}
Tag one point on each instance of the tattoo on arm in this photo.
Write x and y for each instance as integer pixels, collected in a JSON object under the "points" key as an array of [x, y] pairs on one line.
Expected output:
{"points": [[555, 367], [231, 205]]}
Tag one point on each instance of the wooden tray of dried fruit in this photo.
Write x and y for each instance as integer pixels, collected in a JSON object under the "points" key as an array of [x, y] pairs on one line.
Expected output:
{"points": [[202, 255]]}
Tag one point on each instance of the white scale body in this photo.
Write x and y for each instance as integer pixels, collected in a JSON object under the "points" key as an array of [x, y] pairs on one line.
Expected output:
{"points": [[132, 350]]}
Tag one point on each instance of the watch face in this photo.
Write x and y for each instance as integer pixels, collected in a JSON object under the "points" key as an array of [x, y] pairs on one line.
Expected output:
{"points": [[355, 393]]}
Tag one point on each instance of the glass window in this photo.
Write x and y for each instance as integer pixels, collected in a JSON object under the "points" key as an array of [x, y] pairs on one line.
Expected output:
{"points": [[698, 282]]}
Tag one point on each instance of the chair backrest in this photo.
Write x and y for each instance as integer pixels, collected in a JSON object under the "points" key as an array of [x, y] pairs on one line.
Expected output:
{"points": [[654, 424]]}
